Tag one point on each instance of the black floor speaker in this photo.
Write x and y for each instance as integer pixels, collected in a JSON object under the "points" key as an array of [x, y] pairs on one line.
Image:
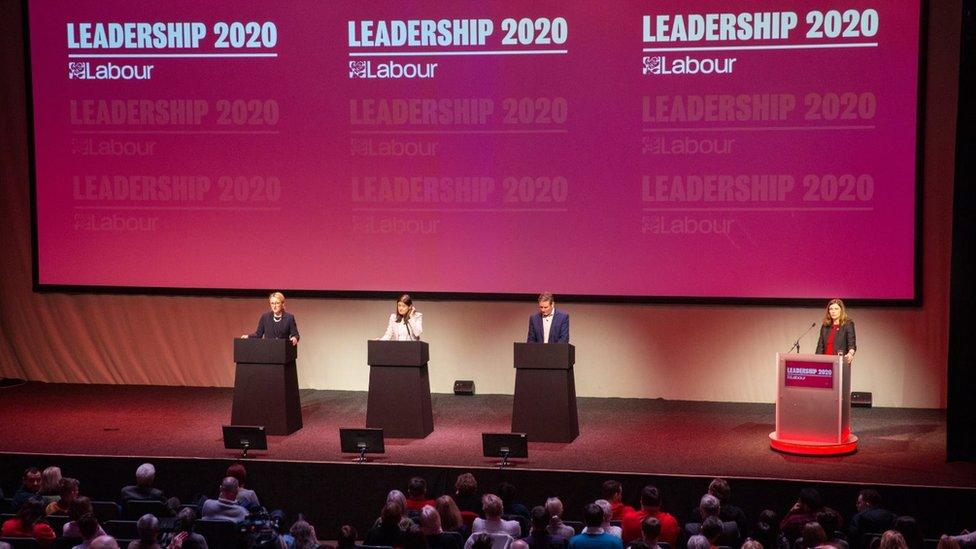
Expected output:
{"points": [[463, 387], [860, 399]]}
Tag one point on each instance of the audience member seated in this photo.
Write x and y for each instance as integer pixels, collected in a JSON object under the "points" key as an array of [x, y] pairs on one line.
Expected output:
{"points": [[831, 521], [450, 515], [388, 531], [346, 538], [613, 492], [639, 544], [89, 530], [812, 536], [510, 504], [5, 545], [29, 488], [539, 537], [554, 506], [466, 493], [951, 542], [303, 535], [710, 506], [50, 484], [183, 532], [593, 536], [650, 507], [246, 498], [29, 523], [430, 524], [80, 507], [698, 542], [607, 517], [751, 544], [492, 507], [397, 497], [485, 540], [767, 531], [225, 507], [720, 488], [805, 510], [650, 531], [68, 493], [910, 531], [414, 538], [416, 496], [148, 528], [871, 517], [143, 488], [104, 542], [893, 539]]}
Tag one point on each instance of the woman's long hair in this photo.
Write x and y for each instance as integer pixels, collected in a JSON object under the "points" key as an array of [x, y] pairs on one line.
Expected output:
{"points": [[405, 299], [827, 321]]}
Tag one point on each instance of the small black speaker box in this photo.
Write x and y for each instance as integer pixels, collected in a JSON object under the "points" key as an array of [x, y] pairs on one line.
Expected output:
{"points": [[860, 400], [463, 387]]}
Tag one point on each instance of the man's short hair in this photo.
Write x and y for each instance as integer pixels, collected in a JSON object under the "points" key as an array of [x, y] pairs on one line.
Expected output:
{"points": [[67, 485], [31, 471], [592, 515], [651, 528], [871, 496], [540, 517], [554, 507], [507, 491], [238, 471], [492, 505], [699, 542], [611, 488], [147, 525], [709, 506], [711, 528], [811, 498], [466, 484], [88, 525], [145, 474], [547, 297], [830, 520], [417, 487], [607, 509], [519, 544], [104, 542], [719, 488], [650, 496], [230, 485]]}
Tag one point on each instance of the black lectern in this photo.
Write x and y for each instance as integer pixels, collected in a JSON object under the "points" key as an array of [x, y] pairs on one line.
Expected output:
{"points": [[266, 385], [399, 389], [545, 392]]}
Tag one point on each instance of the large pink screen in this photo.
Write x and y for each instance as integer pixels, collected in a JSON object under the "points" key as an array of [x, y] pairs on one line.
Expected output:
{"points": [[720, 149]]}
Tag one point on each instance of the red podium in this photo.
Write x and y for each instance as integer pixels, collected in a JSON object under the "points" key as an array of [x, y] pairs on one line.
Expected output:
{"points": [[813, 405]]}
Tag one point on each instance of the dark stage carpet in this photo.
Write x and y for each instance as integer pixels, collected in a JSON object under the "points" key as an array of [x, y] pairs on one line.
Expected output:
{"points": [[898, 446]]}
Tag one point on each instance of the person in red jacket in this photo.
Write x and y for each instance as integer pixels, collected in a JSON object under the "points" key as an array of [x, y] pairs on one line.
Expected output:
{"points": [[29, 524], [650, 507]]}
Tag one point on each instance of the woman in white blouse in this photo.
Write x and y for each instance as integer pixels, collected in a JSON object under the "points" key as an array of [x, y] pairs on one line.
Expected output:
{"points": [[406, 324]]}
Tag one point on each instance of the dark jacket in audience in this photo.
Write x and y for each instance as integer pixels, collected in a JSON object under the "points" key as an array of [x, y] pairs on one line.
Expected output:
{"points": [[384, 534], [141, 492], [542, 540]]}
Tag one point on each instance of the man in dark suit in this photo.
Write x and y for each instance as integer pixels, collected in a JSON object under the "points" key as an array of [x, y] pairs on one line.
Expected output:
{"points": [[548, 325]]}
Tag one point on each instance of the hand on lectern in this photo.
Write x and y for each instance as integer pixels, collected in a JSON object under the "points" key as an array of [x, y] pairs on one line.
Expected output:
{"points": [[849, 357], [294, 341], [244, 336]]}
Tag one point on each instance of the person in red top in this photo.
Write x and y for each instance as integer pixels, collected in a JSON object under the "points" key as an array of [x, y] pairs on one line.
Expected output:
{"points": [[28, 524], [613, 492], [417, 496], [650, 507], [837, 332]]}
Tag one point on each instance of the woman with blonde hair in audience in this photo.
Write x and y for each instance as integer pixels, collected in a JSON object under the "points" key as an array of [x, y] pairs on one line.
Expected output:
{"points": [[892, 540], [430, 525], [751, 544], [303, 534], [50, 484], [450, 515]]}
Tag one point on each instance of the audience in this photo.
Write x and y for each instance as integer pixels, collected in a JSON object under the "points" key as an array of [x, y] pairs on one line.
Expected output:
{"points": [[812, 536], [388, 531], [245, 498], [613, 492], [484, 540], [607, 517], [346, 538], [29, 488], [89, 529], [508, 493], [225, 507], [450, 515], [80, 507], [430, 524], [805, 510], [396, 496], [893, 540], [184, 532], [539, 536], [698, 542], [148, 528], [554, 506], [720, 488], [104, 542], [303, 535], [466, 493], [831, 521], [709, 506], [767, 531], [871, 517], [910, 531], [949, 542], [143, 488], [650, 507], [650, 531], [492, 507], [593, 536], [416, 496], [50, 484], [29, 523], [68, 491]]}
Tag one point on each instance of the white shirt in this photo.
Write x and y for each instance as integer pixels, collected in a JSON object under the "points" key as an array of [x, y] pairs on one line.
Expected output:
{"points": [[547, 325], [397, 331]]}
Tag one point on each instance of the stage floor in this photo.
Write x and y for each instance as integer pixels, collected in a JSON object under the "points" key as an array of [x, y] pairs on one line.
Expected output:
{"points": [[897, 446]]}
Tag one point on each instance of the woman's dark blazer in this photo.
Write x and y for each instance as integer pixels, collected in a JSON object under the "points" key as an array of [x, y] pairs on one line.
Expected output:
{"points": [[844, 341]]}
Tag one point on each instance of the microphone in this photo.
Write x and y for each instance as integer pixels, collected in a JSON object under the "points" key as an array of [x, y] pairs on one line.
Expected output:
{"points": [[796, 344]]}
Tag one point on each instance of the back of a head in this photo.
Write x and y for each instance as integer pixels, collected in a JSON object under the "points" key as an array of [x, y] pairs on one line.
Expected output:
{"points": [[104, 542], [430, 520], [492, 506], [346, 537], [907, 526], [554, 506], [607, 509], [147, 525], [391, 514], [193, 542], [417, 487], [698, 542], [946, 542], [719, 488], [448, 511], [30, 512], [751, 544], [650, 528], [66, 487], [238, 471], [519, 544], [481, 541], [813, 535], [540, 518], [767, 528], [185, 518], [303, 533], [88, 526], [650, 496], [709, 506], [811, 498], [466, 484], [229, 487], [830, 520], [397, 496], [711, 528], [50, 479], [893, 540], [414, 538], [80, 506], [145, 474], [610, 489], [592, 515], [871, 496], [507, 492]]}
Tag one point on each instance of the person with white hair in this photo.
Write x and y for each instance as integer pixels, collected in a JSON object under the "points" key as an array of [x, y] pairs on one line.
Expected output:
{"points": [[148, 528], [607, 517], [143, 488], [104, 542], [225, 507], [710, 506], [493, 523], [554, 506], [698, 542]]}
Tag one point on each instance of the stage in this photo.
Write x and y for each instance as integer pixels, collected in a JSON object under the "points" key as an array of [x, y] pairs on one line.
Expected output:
{"points": [[629, 436]]}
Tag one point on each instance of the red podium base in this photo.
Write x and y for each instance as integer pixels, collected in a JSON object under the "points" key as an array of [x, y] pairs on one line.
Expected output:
{"points": [[810, 448]]}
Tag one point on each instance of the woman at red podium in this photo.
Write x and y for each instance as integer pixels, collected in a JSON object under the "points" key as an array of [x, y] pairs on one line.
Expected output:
{"points": [[837, 332], [276, 323], [406, 324]]}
